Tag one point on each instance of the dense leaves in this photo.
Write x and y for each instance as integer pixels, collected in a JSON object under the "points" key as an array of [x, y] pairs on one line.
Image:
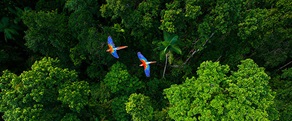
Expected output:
{"points": [[284, 94], [47, 33], [139, 107], [244, 95], [120, 82], [119, 110], [34, 94], [75, 95], [54, 63]]}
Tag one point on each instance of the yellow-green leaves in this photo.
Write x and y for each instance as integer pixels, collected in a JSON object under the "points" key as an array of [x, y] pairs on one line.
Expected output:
{"points": [[139, 106], [75, 95], [213, 95], [192, 11], [36, 94], [120, 82]]}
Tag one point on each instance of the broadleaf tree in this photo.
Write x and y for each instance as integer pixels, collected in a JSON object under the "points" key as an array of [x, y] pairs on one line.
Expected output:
{"points": [[76, 32], [218, 94], [139, 107], [35, 94]]}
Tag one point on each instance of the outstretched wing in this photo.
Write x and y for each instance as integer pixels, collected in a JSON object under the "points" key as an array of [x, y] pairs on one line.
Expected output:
{"points": [[110, 41], [141, 57], [147, 70], [115, 54]]}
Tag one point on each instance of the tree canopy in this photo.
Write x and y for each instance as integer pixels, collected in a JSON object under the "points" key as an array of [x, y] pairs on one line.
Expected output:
{"points": [[215, 60], [214, 95]]}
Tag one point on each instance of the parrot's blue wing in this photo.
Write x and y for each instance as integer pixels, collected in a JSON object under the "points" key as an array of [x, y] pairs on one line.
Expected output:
{"points": [[110, 41], [115, 54], [141, 57], [147, 70]]}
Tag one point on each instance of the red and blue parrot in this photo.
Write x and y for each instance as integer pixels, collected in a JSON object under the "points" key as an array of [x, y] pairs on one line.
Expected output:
{"points": [[112, 49], [145, 64]]}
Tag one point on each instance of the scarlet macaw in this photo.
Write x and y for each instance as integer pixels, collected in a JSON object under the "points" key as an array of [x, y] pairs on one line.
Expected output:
{"points": [[145, 64], [112, 49]]}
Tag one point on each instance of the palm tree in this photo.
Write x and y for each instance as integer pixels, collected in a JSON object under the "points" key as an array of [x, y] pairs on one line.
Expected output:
{"points": [[167, 47]]}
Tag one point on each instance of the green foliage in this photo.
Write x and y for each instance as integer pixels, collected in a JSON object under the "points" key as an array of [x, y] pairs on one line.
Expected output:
{"points": [[5, 80], [244, 95], [138, 19], [47, 33], [75, 95], [12, 30], [154, 89], [70, 117], [276, 48], [193, 31], [9, 29], [78, 5], [10, 26], [284, 95], [89, 43], [250, 87], [171, 16], [120, 82], [34, 94], [139, 107], [168, 46], [100, 103], [161, 115], [47, 5], [119, 110], [99, 92]]}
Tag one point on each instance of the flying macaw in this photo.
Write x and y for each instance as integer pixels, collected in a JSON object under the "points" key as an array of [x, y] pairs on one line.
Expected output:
{"points": [[112, 49], [145, 64]]}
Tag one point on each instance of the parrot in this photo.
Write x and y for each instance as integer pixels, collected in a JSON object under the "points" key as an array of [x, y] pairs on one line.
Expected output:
{"points": [[112, 49], [145, 64]]}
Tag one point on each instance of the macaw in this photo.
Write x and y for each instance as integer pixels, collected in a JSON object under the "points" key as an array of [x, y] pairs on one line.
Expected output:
{"points": [[145, 64], [112, 49]]}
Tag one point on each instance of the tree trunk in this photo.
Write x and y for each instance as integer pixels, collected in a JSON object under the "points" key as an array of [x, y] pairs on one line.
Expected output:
{"points": [[165, 65]]}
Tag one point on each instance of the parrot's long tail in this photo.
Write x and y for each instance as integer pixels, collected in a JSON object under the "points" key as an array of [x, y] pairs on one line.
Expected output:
{"points": [[151, 62], [121, 47]]}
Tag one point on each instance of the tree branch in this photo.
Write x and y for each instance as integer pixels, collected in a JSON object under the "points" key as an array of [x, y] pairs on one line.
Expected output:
{"points": [[219, 58], [199, 49], [165, 65], [284, 65]]}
